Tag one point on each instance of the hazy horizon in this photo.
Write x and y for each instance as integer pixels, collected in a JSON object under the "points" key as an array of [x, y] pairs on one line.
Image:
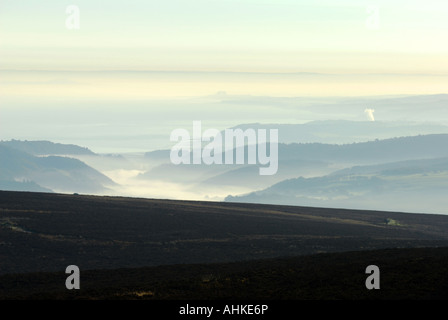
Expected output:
{"points": [[119, 77]]}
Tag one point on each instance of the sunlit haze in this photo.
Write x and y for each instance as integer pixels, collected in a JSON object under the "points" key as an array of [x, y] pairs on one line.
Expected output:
{"points": [[119, 76]]}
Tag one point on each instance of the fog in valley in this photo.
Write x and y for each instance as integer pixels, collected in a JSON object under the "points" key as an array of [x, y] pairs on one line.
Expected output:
{"points": [[320, 136]]}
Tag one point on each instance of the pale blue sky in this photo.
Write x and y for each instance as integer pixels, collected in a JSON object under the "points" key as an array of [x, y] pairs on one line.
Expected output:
{"points": [[226, 35]]}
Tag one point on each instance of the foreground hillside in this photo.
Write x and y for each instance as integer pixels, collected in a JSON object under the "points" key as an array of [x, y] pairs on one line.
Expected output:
{"points": [[129, 248], [47, 232], [409, 274]]}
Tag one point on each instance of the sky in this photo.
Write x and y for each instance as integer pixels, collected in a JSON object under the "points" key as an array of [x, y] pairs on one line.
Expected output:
{"points": [[348, 36], [132, 50]]}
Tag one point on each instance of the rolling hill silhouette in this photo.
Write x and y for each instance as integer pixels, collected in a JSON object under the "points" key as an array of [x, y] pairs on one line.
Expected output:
{"points": [[46, 148], [21, 170]]}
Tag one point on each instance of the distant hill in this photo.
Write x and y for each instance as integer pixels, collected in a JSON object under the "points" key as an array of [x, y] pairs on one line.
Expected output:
{"points": [[409, 109], [46, 148], [413, 185], [409, 167], [21, 170], [249, 176], [162, 155], [345, 131], [22, 186], [378, 151], [301, 160]]}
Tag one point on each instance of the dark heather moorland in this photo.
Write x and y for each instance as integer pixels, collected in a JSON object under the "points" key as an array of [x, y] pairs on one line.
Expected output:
{"points": [[132, 248]]}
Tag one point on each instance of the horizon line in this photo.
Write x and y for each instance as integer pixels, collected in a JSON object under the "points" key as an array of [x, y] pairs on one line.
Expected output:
{"points": [[227, 72]]}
